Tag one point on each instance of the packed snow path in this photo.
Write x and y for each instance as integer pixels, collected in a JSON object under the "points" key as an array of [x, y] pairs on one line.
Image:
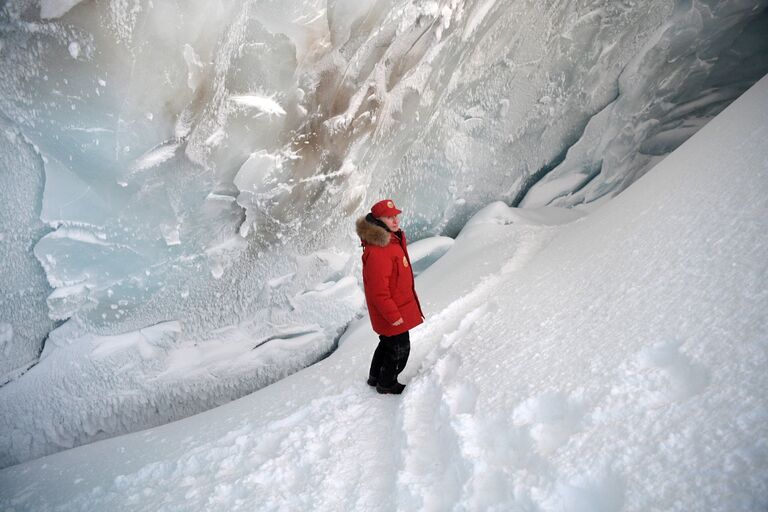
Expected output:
{"points": [[622, 368]]}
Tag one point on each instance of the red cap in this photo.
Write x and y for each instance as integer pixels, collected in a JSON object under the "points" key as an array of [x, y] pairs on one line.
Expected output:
{"points": [[384, 208]]}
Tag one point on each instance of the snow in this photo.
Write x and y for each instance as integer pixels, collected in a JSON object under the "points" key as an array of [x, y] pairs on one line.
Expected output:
{"points": [[155, 156], [198, 161], [74, 49], [6, 336], [613, 361], [179, 374], [263, 103], [544, 193], [194, 67], [423, 253], [203, 150], [476, 17]]}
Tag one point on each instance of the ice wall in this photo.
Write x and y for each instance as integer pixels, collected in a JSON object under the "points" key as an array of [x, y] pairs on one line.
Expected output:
{"points": [[24, 321], [203, 162], [191, 150]]}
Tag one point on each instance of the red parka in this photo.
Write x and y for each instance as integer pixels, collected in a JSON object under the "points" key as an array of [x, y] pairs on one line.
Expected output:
{"points": [[388, 279]]}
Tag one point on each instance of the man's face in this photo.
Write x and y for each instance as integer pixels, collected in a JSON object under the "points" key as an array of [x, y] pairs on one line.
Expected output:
{"points": [[393, 223]]}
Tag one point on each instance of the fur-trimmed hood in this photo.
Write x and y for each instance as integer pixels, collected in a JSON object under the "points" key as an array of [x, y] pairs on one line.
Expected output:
{"points": [[372, 231]]}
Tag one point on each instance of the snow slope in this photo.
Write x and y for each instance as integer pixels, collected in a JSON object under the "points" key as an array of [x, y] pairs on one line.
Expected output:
{"points": [[621, 368]]}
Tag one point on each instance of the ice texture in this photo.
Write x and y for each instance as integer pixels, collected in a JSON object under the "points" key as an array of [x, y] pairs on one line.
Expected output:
{"points": [[148, 116], [204, 162], [24, 321]]}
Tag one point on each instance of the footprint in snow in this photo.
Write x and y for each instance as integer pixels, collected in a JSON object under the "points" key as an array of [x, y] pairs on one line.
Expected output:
{"points": [[669, 374], [551, 418]]}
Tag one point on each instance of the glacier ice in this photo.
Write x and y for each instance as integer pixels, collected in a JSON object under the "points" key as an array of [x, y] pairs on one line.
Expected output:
{"points": [[203, 162], [24, 321]]}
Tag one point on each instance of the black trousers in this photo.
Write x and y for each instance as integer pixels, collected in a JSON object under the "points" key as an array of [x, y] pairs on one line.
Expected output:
{"points": [[390, 357]]}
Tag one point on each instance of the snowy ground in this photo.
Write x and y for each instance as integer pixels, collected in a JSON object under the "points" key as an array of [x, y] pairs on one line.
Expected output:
{"points": [[622, 368]]}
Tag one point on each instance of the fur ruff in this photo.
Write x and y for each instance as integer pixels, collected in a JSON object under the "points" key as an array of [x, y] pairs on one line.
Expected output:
{"points": [[371, 233]]}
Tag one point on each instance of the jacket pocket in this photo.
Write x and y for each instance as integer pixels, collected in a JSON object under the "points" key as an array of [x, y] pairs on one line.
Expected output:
{"points": [[402, 300]]}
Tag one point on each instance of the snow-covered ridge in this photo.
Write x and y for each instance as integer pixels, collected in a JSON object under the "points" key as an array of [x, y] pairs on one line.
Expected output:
{"points": [[614, 363]]}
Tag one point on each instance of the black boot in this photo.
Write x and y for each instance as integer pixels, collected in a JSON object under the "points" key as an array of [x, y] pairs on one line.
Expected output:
{"points": [[389, 359], [395, 389]]}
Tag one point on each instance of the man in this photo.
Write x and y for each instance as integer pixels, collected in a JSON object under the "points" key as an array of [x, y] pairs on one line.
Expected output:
{"points": [[393, 306]]}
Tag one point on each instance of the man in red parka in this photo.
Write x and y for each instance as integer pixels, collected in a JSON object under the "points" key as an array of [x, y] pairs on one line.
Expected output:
{"points": [[390, 293]]}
